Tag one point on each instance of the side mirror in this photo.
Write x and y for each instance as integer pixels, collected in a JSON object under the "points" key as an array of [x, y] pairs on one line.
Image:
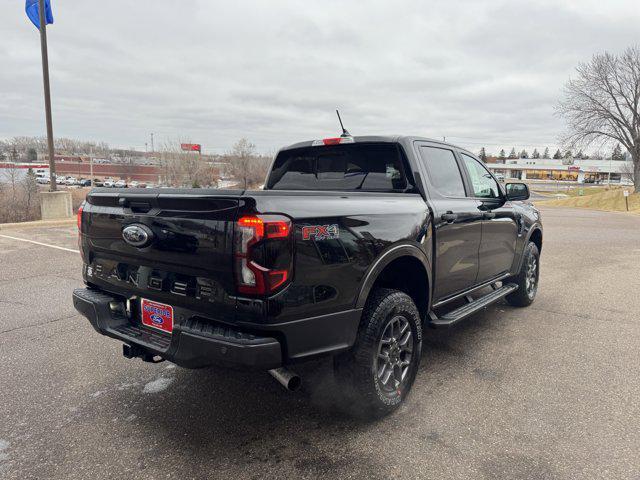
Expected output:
{"points": [[517, 191]]}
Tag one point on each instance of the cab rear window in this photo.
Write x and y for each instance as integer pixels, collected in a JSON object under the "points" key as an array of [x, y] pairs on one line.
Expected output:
{"points": [[367, 167]]}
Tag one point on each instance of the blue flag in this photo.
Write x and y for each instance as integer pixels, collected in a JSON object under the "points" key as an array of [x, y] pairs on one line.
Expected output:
{"points": [[31, 7]]}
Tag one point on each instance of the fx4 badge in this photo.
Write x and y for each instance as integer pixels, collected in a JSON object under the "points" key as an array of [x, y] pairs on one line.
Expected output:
{"points": [[321, 232]]}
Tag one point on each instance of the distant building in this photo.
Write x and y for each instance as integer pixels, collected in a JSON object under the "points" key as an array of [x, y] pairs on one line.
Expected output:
{"points": [[18, 170], [126, 171], [576, 170]]}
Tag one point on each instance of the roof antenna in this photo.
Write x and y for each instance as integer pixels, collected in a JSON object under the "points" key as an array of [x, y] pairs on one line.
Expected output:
{"points": [[344, 130]]}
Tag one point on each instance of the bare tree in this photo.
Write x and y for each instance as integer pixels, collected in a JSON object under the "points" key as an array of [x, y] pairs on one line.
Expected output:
{"points": [[185, 168], [241, 155], [30, 186], [602, 104], [627, 171], [19, 199], [11, 175], [246, 165]]}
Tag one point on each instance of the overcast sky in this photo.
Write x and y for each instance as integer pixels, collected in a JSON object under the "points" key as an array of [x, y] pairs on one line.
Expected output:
{"points": [[480, 72]]}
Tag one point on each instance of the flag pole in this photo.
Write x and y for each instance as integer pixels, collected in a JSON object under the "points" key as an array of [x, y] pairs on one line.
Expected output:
{"points": [[47, 94]]}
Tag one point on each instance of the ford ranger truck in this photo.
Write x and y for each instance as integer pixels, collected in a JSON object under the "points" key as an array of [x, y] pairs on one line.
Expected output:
{"points": [[353, 247]]}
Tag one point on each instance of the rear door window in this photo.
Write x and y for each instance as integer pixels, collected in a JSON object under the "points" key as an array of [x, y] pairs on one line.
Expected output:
{"points": [[367, 167], [443, 171]]}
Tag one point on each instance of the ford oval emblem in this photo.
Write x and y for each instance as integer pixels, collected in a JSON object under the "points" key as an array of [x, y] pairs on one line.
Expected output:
{"points": [[137, 235]]}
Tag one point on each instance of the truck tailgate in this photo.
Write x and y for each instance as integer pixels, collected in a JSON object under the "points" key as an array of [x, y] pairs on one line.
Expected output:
{"points": [[187, 260]]}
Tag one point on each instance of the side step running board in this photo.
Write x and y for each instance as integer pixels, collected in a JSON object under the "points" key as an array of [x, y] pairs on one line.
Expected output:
{"points": [[470, 308]]}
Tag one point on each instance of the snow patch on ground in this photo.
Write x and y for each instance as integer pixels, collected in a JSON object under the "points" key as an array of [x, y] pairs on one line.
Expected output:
{"points": [[3, 446], [157, 385], [124, 386]]}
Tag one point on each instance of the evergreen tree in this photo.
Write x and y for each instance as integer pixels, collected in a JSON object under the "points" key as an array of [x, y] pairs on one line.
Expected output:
{"points": [[557, 155], [524, 154], [483, 155], [568, 154], [502, 155], [513, 153], [617, 153], [546, 152], [535, 154], [579, 155], [32, 155]]}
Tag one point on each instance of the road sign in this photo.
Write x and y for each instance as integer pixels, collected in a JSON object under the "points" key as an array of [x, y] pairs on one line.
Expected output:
{"points": [[626, 198], [191, 147]]}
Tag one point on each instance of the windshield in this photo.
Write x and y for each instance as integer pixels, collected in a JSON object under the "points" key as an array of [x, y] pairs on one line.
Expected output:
{"points": [[367, 167]]}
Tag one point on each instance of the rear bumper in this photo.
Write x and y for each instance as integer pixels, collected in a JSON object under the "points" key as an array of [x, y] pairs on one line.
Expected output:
{"points": [[197, 342]]}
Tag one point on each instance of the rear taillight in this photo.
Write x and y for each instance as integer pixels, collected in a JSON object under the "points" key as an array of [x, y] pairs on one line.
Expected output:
{"points": [[80, 217], [262, 252], [80, 208]]}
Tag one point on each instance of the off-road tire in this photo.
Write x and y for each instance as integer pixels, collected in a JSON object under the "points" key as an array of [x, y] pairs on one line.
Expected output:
{"points": [[526, 292], [360, 371]]}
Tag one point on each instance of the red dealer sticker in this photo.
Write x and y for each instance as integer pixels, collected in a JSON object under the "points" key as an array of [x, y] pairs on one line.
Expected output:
{"points": [[157, 315]]}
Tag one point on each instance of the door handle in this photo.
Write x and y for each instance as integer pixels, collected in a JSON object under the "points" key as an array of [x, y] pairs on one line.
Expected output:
{"points": [[488, 215], [449, 217]]}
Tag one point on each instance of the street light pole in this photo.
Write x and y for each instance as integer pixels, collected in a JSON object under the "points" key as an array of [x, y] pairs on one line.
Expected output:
{"points": [[91, 167], [47, 94]]}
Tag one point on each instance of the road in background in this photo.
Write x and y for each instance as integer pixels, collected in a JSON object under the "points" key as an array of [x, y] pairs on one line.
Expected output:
{"points": [[549, 391]]}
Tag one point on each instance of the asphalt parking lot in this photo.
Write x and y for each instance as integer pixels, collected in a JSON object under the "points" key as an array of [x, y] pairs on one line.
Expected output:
{"points": [[549, 391]]}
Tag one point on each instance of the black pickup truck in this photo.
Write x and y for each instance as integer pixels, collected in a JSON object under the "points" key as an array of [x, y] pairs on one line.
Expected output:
{"points": [[354, 245]]}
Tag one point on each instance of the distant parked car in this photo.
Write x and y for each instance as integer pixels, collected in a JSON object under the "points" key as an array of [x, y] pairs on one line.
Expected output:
{"points": [[134, 184], [499, 177], [43, 180], [85, 182], [71, 181], [120, 184], [97, 183], [108, 183]]}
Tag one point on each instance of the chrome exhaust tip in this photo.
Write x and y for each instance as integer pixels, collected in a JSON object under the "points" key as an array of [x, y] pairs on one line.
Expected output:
{"points": [[289, 380]]}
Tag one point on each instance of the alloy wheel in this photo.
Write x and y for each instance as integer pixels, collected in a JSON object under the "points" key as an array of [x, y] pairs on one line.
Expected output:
{"points": [[531, 277], [395, 352]]}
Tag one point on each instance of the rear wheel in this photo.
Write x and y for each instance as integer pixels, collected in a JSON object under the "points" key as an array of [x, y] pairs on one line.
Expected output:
{"points": [[380, 368], [527, 278]]}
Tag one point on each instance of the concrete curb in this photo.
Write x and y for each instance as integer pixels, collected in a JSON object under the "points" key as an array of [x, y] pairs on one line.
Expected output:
{"points": [[39, 223], [544, 204]]}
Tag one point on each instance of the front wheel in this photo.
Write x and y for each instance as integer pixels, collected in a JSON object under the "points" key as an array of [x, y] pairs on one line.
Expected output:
{"points": [[527, 278], [380, 368]]}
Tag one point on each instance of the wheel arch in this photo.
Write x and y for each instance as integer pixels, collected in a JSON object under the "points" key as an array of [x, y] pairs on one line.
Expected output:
{"points": [[534, 235], [405, 268]]}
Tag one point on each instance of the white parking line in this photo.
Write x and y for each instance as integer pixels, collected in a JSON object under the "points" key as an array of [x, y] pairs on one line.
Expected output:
{"points": [[40, 243]]}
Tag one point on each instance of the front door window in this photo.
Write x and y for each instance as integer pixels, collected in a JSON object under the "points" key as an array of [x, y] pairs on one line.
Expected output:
{"points": [[483, 184]]}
